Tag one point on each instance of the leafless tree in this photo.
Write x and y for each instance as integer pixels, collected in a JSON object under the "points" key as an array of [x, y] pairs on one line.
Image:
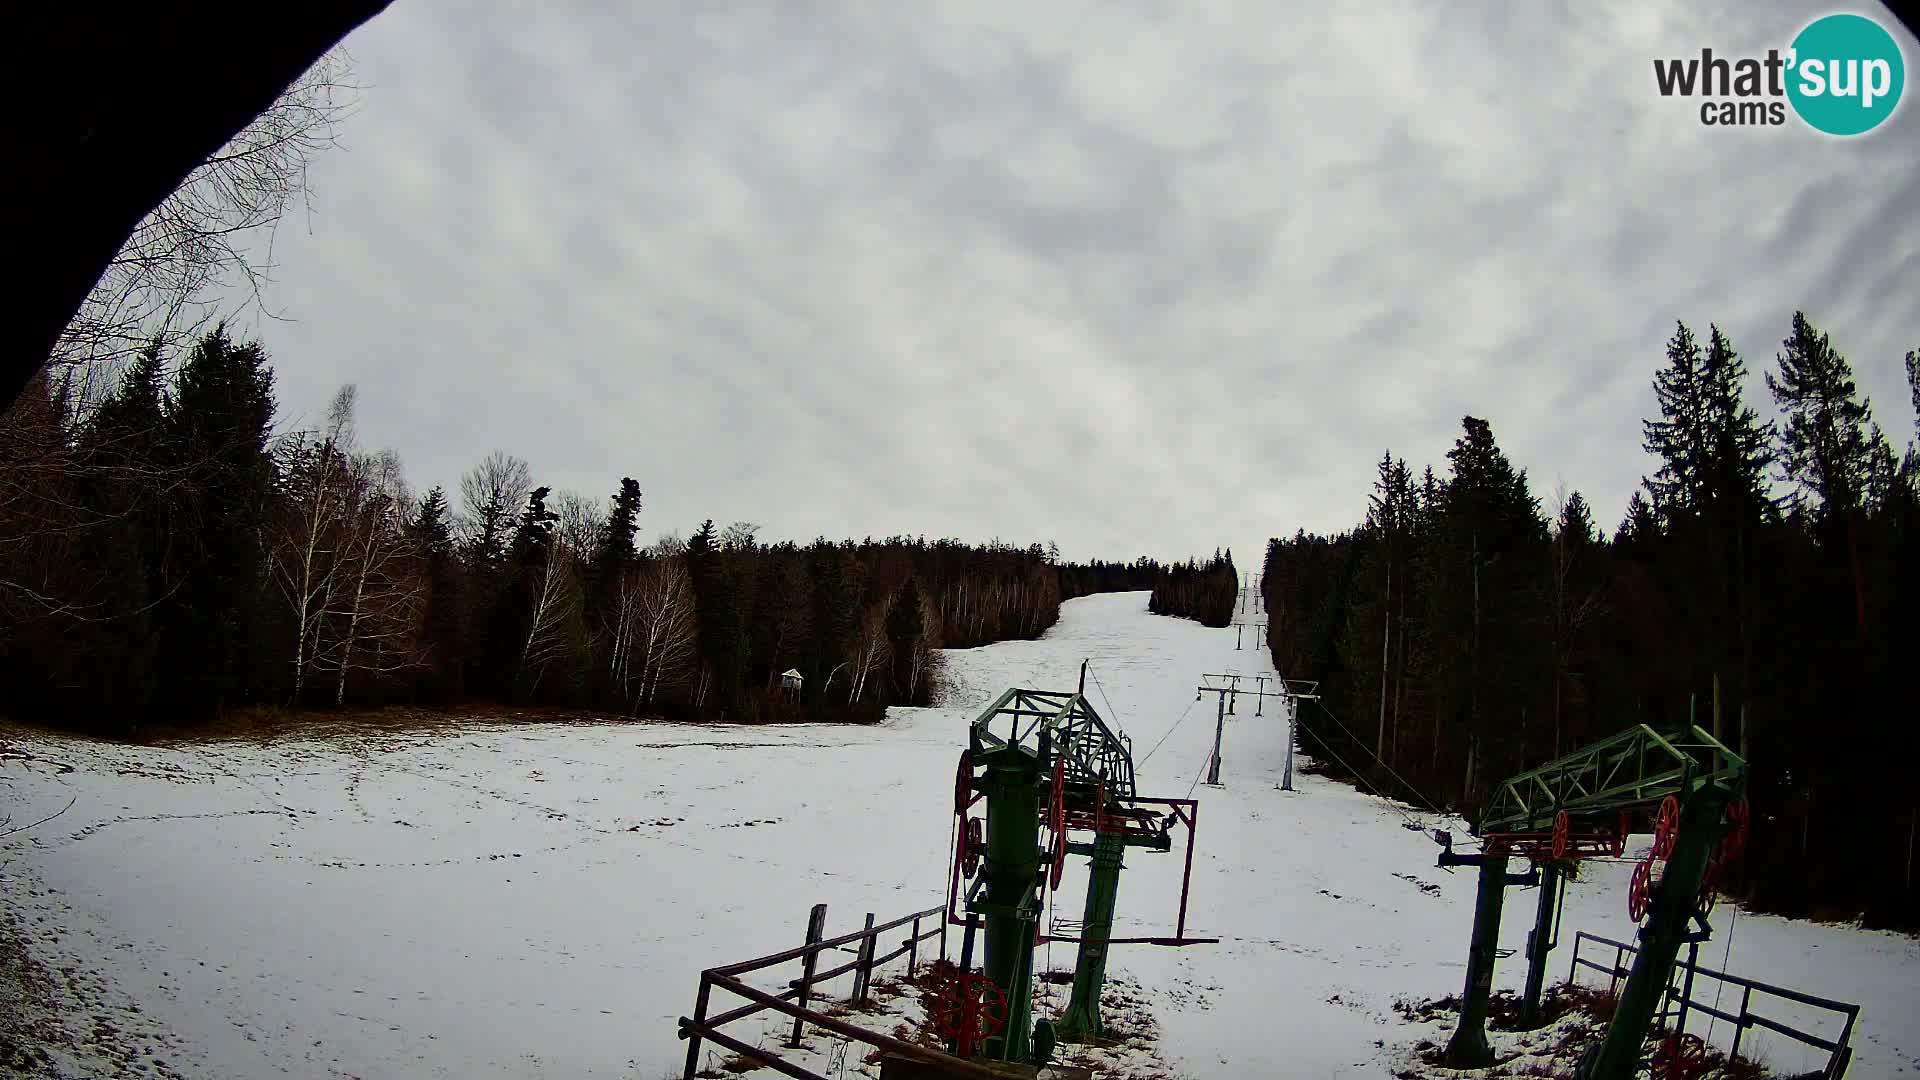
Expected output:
{"points": [[871, 651], [382, 593], [664, 625], [215, 231], [739, 536], [580, 521], [551, 621], [303, 550], [492, 493], [925, 663]]}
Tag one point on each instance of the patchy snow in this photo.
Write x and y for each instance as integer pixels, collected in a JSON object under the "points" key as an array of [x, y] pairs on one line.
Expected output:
{"points": [[538, 900]]}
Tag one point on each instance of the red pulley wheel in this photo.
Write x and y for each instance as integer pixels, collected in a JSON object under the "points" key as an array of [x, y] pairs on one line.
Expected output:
{"points": [[963, 784], [972, 844], [1562, 827], [1639, 890], [1680, 1057], [1666, 827], [968, 1009]]}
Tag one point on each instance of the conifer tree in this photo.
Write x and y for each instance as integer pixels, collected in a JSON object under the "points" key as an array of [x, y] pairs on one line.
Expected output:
{"points": [[1913, 386], [215, 436], [1678, 438], [613, 549], [442, 627], [1639, 528], [716, 599], [1486, 602], [1827, 444], [906, 627]]}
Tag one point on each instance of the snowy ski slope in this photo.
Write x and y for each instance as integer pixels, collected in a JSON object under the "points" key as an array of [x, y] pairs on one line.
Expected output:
{"points": [[538, 901]]}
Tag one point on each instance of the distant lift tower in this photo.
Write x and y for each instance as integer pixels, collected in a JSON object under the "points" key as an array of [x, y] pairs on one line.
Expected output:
{"points": [[1293, 693], [1250, 593]]}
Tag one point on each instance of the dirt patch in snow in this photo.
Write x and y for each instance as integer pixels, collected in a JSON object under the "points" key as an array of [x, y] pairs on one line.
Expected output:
{"points": [[1573, 1022]]}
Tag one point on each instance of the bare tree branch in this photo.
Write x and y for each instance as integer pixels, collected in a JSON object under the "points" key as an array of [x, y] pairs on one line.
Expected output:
{"points": [[215, 230], [6, 831]]}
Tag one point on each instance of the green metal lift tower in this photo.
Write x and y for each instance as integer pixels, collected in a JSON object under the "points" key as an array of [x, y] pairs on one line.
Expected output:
{"points": [[1583, 805], [1049, 769]]}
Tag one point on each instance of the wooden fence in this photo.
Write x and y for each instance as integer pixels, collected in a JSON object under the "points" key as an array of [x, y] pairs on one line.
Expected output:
{"points": [[793, 1001]]}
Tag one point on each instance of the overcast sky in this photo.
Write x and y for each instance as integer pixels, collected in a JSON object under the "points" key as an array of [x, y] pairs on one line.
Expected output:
{"points": [[1133, 277]]}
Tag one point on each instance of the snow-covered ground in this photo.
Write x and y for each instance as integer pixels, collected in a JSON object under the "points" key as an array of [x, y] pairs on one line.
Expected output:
{"points": [[538, 900]]}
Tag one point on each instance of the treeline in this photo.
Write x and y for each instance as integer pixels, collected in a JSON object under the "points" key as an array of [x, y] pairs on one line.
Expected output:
{"points": [[166, 555], [1764, 583], [1085, 579], [1205, 592]]}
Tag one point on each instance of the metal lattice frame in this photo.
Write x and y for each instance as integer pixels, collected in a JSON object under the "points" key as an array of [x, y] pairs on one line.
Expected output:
{"points": [[1637, 767], [1094, 754]]}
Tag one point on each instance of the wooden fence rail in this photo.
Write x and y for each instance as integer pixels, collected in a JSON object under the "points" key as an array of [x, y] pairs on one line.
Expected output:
{"points": [[867, 958]]}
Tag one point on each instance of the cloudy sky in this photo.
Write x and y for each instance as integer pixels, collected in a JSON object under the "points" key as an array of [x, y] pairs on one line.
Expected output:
{"points": [[1134, 277]]}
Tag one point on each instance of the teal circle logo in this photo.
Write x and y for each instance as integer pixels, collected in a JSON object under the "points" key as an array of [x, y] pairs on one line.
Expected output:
{"points": [[1846, 74]]}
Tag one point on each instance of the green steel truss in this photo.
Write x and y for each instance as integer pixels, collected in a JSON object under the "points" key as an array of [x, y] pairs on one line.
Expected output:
{"points": [[1072, 729], [1634, 768]]}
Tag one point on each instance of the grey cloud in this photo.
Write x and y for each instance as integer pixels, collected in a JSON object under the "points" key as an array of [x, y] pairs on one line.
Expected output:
{"points": [[1136, 278]]}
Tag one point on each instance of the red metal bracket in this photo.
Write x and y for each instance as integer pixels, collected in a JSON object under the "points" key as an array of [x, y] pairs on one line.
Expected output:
{"points": [[1184, 812]]}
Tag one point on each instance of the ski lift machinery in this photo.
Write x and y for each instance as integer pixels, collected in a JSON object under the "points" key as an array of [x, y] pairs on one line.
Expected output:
{"points": [[1056, 782]]}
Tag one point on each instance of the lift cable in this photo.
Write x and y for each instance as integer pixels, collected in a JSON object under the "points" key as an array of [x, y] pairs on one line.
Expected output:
{"points": [[1420, 795], [1169, 731], [1732, 919], [1196, 776], [1111, 711], [1359, 777]]}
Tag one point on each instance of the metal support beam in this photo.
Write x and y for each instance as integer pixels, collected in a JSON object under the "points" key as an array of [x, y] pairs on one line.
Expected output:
{"points": [[1219, 731], [1081, 1022], [1637, 767], [1674, 901], [1469, 1048], [1012, 869], [1539, 943]]}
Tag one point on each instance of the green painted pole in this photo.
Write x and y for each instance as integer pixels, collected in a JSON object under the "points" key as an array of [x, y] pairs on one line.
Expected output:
{"points": [[1660, 940], [1012, 869], [1469, 1048], [1082, 1022], [1539, 944]]}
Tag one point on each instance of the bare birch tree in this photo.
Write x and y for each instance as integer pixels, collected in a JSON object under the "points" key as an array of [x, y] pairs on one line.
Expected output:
{"points": [[302, 555], [665, 628], [378, 593], [925, 663], [550, 622], [871, 651]]}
